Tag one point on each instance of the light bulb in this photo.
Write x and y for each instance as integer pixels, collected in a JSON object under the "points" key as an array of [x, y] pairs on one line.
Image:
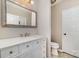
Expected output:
{"points": [[32, 2]]}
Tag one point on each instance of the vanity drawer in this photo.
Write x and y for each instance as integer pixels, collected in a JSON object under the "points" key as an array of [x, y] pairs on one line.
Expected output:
{"points": [[25, 47], [28, 46], [40, 50], [9, 52], [36, 43]]}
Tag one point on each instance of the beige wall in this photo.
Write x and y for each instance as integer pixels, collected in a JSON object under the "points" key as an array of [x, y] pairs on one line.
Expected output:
{"points": [[57, 24], [14, 32]]}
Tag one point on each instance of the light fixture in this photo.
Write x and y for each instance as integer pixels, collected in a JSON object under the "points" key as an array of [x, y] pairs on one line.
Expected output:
{"points": [[29, 1], [32, 2], [25, 2], [53, 1]]}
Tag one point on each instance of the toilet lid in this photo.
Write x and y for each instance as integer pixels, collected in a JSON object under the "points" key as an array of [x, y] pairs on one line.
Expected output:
{"points": [[54, 44]]}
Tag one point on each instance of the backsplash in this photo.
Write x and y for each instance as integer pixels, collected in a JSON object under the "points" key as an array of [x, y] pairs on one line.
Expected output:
{"points": [[14, 32]]}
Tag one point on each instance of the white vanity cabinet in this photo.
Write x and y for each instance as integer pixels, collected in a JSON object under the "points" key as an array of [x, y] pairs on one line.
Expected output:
{"points": [[33, 49], [30, 49]]}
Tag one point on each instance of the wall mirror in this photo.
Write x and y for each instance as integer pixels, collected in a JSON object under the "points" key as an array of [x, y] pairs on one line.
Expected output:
{"points": [[17, 16]]}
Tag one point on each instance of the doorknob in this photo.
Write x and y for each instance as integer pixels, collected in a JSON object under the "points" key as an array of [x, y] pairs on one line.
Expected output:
{"points": [[65, 34]]}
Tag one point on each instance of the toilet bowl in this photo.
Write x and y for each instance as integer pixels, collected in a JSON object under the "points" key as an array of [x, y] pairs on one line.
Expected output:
{"points": [[54, 47]]}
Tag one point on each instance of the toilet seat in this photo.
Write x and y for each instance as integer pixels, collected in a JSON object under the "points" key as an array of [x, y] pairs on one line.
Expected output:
{"points": [[54, 50], [54, 45]]}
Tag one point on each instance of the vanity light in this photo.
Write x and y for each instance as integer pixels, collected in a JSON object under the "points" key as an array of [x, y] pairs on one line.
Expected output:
{"points": [[53, 1], [32, 2], [29, 1]]}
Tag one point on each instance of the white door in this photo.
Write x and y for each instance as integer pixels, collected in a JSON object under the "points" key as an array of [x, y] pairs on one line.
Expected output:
{"points": [[70, 31]]}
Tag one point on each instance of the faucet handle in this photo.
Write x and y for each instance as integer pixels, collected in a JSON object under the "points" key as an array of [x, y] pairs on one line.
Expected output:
{"points": [[27, 34]]}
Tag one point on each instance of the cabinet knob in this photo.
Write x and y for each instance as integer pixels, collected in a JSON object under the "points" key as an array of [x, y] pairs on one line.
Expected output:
{"points": [[11, 52], [27, 46], [37, 42]]}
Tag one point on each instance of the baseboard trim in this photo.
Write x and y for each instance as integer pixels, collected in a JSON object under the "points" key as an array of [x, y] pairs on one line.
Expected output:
{"points": [[60, 50]]}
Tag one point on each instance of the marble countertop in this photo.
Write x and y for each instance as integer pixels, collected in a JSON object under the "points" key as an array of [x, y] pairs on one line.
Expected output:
{"points": [[18, 40]]}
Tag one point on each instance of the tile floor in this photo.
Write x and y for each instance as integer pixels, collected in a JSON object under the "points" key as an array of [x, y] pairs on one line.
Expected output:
{"points": [[63, 55]]}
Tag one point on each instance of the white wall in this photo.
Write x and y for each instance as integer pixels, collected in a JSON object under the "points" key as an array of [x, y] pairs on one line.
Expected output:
{"points": [[44, 20], [66, 4], [13, 32], [70, 13]]}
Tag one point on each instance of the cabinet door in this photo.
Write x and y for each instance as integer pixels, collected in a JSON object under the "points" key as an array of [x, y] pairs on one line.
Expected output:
{"points": [[37, 51], [40, 50], [9, 52], [26, 55], [25, 48], [33, 49]]}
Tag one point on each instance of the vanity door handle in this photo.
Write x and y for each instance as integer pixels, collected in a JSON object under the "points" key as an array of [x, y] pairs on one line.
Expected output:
{"points": [[11, 52], [37, 42], [27, 46]]}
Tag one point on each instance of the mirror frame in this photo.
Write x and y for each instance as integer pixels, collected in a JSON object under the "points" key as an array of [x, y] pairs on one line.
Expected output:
{"points": [[4, 18]]}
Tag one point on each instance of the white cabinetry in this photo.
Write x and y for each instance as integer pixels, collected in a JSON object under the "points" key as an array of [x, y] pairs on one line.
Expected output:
{"points": [[9, 52], [31, 49]]}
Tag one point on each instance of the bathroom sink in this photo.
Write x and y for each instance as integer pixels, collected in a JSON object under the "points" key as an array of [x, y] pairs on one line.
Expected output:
{"points": [[17, 40]]}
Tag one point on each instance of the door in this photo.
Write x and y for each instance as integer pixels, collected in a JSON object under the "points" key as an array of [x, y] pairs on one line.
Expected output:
{"points": [[70, 31]]}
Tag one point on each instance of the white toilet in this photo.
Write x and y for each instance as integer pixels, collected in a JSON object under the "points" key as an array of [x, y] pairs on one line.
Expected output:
{"points": [[54, 47]]}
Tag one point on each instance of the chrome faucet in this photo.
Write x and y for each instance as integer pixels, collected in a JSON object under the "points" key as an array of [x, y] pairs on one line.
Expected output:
{"points": [[26, 34]]}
